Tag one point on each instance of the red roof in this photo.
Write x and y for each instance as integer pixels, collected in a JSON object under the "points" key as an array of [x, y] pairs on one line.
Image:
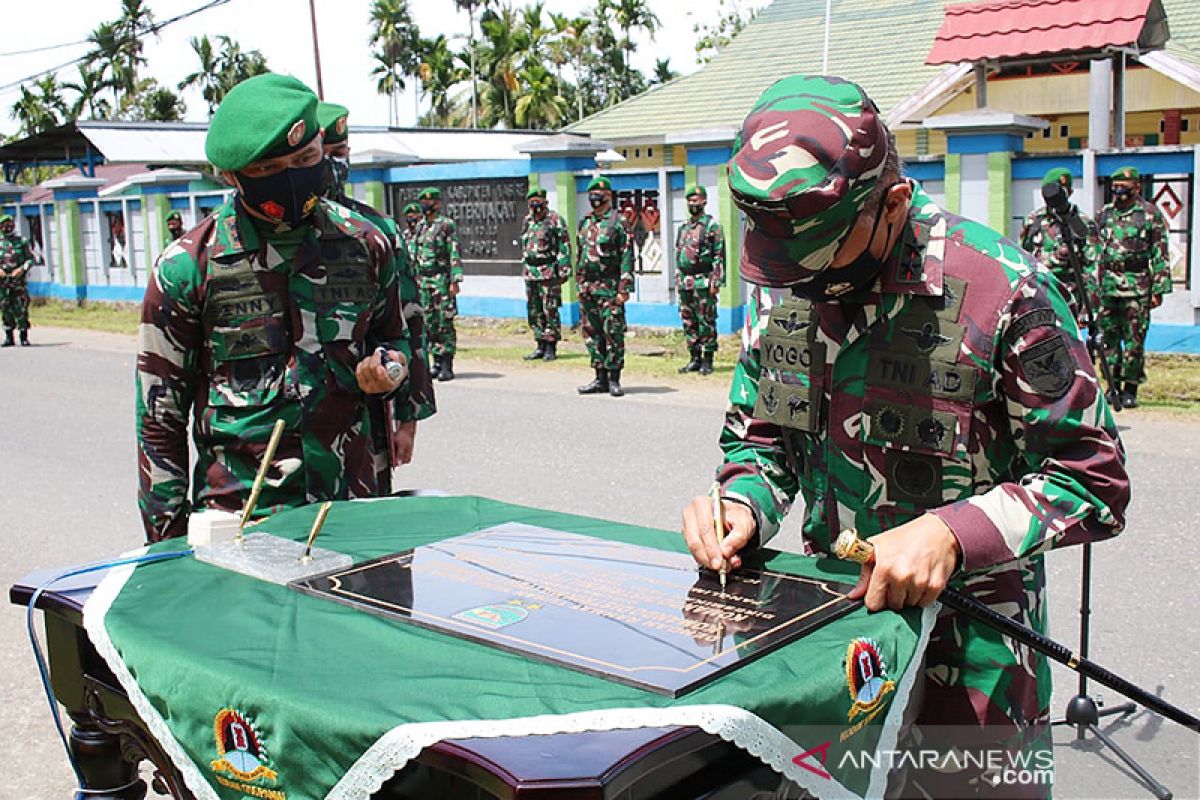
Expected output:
{"points": [[111, 173], [997, 29]]}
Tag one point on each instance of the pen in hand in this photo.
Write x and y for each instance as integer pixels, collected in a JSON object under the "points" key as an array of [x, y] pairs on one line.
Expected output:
{"points": [[719, 524]]}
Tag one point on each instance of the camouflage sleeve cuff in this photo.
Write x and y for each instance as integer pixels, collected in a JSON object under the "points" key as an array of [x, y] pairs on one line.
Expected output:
{"points": [[749, 491], [981, 542]]}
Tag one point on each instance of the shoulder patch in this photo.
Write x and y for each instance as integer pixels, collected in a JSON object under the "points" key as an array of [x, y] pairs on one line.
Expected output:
{"points": [[1048, 367], [1038, 318]]}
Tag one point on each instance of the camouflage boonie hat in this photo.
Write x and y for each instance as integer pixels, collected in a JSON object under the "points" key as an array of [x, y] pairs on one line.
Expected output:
{"points": [[695, 190], [334, 119], [600, 182], [535, 191], [412, 208], [1126, 174], [430, 193], [807, 157], [1056, 175]]}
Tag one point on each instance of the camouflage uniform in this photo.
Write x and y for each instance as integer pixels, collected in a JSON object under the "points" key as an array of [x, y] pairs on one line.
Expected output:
{"points": [[546, 245], [699, 266], [1133, 269], [956, 384], [408, 236], [604, 270], [1041, 236], [240, 328], [437, 262], [15, 254]]}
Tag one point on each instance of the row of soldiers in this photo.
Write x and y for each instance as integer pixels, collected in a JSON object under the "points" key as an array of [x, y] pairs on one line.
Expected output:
{"points": [[1124, 268]]}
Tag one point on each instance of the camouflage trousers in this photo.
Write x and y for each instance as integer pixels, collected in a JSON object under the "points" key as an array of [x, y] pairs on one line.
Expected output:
{"points": [[441, 308], [14, 306], [602, 321], [1123, 325], [542, 301], [698, 312]]}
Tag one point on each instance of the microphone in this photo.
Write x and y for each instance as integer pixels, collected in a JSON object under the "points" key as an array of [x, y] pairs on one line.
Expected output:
{"points": [[1056, 200]]}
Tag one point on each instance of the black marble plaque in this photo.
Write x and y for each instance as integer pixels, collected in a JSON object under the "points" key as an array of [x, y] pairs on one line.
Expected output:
{"points": [[635, 615]]}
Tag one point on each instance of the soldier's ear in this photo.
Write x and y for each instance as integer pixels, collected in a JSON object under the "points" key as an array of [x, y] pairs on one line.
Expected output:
{"points": [[896, 202]]}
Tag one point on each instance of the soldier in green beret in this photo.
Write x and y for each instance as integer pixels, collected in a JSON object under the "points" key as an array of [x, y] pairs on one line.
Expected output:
{"points": [[394, 421], [699, 276], [604, 274], [439, 274], [174, 226], [1135, 273], [16, 257], [1042, 236], [916, 376], [546, 252], [408, 233], [278, 306]]}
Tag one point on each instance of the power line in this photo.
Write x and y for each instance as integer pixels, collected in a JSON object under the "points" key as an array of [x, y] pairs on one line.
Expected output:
{"points": [[43, 49], [155, 28]]}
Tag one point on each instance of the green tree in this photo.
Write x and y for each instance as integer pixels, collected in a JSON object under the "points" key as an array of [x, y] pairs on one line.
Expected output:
{"points": [[40, 108], [439, 75], [576, 40], [540, 104], [663, 72], [716, 36], [109, 55], [630, 15], [89, 88], [396, 43], [151, 102], [208, 77], [222, 66], [471, 6], [500, 57]]}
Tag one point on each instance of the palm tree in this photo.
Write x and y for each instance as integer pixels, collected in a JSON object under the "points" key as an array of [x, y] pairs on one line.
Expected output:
{"points": [[390, 82], [630, 14], [470, 6], [541, 105], [397, 42], [577, 42], [207, 78], [499, 57], [663, 72], [108, 53], [439, 74], [42, 109], [88, 88], [235, 65]]}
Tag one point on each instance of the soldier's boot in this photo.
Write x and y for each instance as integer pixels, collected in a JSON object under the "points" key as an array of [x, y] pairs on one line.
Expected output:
{"points": [[693, 365], [538, 352], [446, 369], [597, 386], [706, 364], [1129, 396], [25, 339], [436, 367], [614, 383], [8, 338], [551, 351]]}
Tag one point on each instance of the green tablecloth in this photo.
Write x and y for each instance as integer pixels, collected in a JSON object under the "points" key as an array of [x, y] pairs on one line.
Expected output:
{"points": [[332, 701]]}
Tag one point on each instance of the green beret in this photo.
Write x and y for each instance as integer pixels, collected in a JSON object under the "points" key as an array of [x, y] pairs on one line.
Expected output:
{"points": [[262, 117], [412, 208], [6, 217], [695, 190], [808, 155], [1056, 175], [535, 191], [174, 215], [430, 192], [333, 119], [600, 182], [1126, 174]]}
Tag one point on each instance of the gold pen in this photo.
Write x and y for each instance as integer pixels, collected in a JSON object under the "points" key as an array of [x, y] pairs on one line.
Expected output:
{"points": [[261, 477], [719, 524], [322, 513]]}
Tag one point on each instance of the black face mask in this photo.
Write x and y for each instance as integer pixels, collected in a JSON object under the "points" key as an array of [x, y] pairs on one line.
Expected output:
{"points": [[286, 197], [412, 221], [337, 170], [596, 200], [1122, 193], [537, 209], [696, 210], [847, 283]]}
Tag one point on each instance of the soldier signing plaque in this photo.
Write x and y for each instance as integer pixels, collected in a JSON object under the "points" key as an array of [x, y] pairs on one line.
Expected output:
{"points": [[631, 614]]}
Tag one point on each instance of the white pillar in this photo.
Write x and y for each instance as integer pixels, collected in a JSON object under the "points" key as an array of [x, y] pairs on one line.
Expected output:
{"points": [[1099, 121]]}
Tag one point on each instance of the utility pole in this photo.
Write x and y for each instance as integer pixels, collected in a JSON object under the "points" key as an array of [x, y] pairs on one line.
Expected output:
{"points": [[312, 10]]}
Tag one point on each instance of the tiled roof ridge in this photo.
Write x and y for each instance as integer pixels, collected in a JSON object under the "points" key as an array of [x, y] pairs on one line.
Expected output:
{"points": [[977, 6]]}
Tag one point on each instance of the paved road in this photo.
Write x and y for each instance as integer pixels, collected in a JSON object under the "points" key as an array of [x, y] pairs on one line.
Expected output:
{"points": [[516, 433]]}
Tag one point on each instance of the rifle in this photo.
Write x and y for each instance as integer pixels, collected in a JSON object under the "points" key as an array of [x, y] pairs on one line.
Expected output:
{"points": [[1074, 231]]}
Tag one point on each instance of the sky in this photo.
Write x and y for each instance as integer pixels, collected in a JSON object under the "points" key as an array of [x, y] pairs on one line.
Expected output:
{"points": [[281, 29]]}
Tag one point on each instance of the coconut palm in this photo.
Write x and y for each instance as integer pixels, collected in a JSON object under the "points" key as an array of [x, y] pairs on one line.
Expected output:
{"points": [[439, 74], [500, 59], [88, 88], [207, 78], [540, 105]]}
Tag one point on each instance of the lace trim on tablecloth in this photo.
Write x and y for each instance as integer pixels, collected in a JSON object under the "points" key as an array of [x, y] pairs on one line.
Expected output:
{"points": [[94, 611]]}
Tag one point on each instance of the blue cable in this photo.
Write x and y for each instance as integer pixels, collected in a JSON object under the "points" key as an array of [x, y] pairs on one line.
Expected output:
{"points": [[44, 671]]}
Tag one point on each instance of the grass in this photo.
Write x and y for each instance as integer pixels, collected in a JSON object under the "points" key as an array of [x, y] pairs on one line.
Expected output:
{"points": [[1174, 383]]}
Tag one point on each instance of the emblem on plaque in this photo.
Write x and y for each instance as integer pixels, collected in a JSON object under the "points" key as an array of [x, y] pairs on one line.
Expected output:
{"points": [[240, 748], [493, 617], [866, 677]]}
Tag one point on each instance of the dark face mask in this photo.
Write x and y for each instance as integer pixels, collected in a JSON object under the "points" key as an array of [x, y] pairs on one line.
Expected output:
{"points": [[286, 197], [695, 209], [7, 228], [337, 171], [848, 282], [596, 200], [537, 209], [412, 220], [1122, 193]]}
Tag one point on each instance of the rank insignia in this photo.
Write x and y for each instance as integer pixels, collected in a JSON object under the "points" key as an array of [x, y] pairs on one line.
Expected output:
{"points": [[296, 133], [866, 677]]}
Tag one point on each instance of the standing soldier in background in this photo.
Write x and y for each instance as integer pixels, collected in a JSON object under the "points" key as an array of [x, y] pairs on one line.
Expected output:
{"points": [[439, 274], [408, 232], [174, 226], [15, 260], [546, 248], [272, 308], [699, 276], [1042, 237], [604, 274], [1134, 276], [394, 420]]}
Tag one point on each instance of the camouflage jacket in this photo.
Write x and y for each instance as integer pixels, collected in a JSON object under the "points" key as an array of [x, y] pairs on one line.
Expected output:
{"points": [[546, 248], [240, 329], [961, 387], [700, 254], [1042, 237], [436, 249], [409, 237], [1133, 250], [15, 253], [415, 400], [605, 254]]}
